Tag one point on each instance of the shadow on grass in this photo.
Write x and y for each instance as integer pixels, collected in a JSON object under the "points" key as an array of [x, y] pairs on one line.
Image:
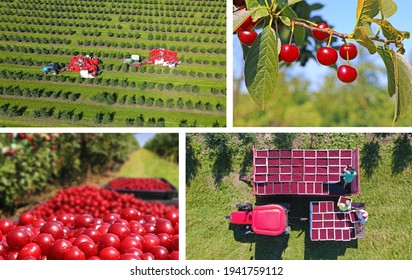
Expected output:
{"points": [[370, 157], [272, 247], [192, 163], [222, 164], [401, 154]]}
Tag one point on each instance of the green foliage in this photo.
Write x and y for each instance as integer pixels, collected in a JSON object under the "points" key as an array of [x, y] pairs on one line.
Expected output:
{"points": [[31, 162], [166, 145]]}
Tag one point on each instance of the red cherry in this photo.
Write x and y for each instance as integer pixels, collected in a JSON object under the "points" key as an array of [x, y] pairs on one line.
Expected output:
{"points": [[319, 35], [327, 56], [247, 37], [289, 53], [347, 74], [239, 2], [348, 51], [247, 24]]}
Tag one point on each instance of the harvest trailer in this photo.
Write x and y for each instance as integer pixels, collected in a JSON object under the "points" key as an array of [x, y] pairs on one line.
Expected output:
{"points": [[311, 173]]}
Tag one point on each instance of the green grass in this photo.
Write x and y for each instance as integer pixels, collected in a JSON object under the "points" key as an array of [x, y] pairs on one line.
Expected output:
{"points": [[388, 199], [143, 163]]}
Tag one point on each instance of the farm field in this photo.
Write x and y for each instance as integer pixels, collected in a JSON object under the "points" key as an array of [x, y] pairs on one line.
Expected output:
{"points": [[192, 94], [216, 162]]}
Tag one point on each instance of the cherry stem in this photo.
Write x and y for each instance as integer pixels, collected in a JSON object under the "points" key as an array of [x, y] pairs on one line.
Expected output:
{"points": [[341, 35], [291, 33], [330, 39]]}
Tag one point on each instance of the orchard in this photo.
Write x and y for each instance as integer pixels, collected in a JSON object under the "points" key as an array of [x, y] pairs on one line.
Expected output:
{"points": [[275, 33]]}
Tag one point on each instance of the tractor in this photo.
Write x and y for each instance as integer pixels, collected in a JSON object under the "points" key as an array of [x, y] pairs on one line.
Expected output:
{"points": [[51, 68]]}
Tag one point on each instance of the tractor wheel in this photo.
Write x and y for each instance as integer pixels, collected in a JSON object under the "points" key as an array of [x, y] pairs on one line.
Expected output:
{"points": [[244, 207]]}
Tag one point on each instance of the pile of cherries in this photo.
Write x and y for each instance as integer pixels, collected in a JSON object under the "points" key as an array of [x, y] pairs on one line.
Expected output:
{"points": [[147, 184], [87, 223]]}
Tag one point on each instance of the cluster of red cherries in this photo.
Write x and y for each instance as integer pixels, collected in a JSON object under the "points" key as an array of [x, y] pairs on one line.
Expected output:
{"points": [[326, 55], [88, 223]]}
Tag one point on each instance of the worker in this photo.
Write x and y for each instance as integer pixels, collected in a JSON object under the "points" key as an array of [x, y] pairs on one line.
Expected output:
{"points": [[349, 174], [344, 206], [362, 215]]}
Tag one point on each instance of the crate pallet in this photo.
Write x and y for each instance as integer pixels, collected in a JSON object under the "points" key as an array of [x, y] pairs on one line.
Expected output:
{"points": [[306, 172]]}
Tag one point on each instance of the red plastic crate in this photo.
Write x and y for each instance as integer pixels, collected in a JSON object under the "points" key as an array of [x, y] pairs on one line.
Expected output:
{"points": [[309, 177], [310, 162], [322, 153], [273, 161], [346, 153], [310, 153], [269, 188], [297, 161], [339, 224], [277, 188], [321, 178], [328, 224], [297, 177], [297, 169], [285, 161], [273, 170], [310, 169], [310, 188], [316, 224], [315, 207], [338, 234], [315, 234], [323, 234], [285, 188], [261, 169], [317, 217], [301, 188], [293, 187], [297, 153], [286, 169], [329, 216], [346, 234], [260, 178], [285, 153], [285, 177], [333, 153], [262, 153], [330, 206], [273, 178], [322, 207], [345, 161], [318, 188], [260, 161], [274, 153], [331, 234], [334, 170], [334, 161], [334, 178], [321, 170], [260, 189], [322, 161]]}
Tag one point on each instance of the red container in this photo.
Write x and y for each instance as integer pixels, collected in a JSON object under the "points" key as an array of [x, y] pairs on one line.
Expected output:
{"points": [[261, 169], [346, 153], [310, 162], [297, 177], [285, 161], [310, 169], [273, 177], [274, 153], [310, 153], [297, 161], [297, 153], [260, 178], [286, 169], [273, 161], [285, 153], [262, 153], [273, 170], [260, 161], [333, 153]]}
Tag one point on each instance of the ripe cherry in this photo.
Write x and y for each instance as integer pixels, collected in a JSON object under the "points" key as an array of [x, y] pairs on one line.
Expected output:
{"points": [[247, 37], [319, 35], [327, 56], [348, 51], [289, 53], [347, 74], [246, 25]]}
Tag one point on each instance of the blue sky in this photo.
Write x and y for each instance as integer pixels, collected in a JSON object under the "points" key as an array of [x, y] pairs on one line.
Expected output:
{"points": [[144, 137], [342, 15]]}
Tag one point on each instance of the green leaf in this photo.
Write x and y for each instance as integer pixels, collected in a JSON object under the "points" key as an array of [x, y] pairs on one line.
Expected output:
{"points": [[252, 4], [291, 2], [366, 8], [386, 56], [404, 97], [285, 20], [300, 32], [259, 13], [388, 8], [361, 36], [316, 6], [390, 32], [262, 66]]}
